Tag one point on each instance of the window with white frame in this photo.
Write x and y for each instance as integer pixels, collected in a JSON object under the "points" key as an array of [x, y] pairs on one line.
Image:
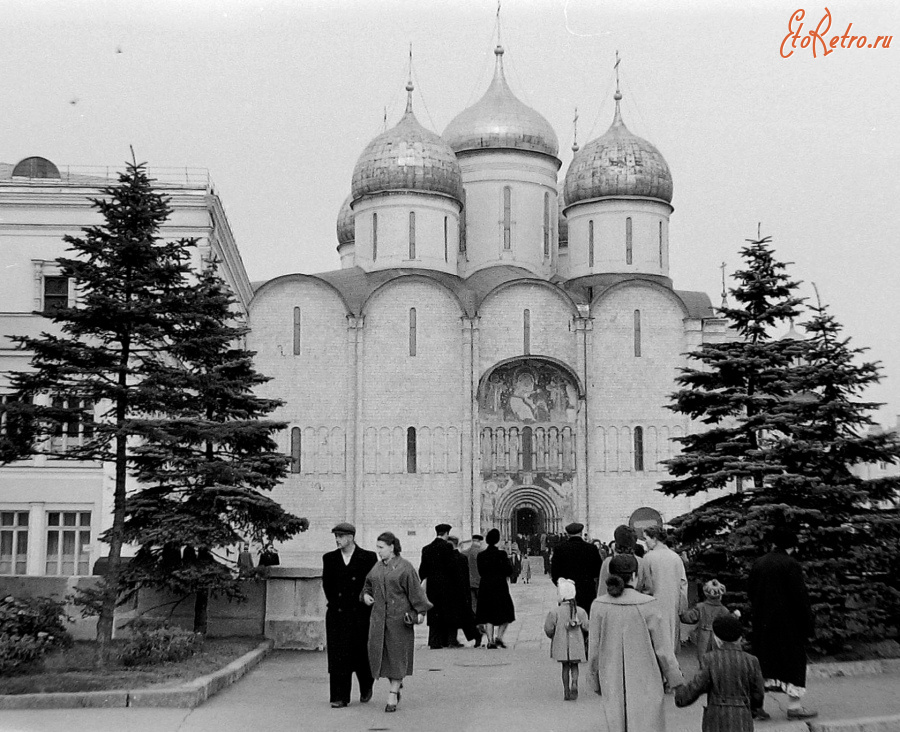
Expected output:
{"points": [[77, 430], [13, 542], [68, 541]]}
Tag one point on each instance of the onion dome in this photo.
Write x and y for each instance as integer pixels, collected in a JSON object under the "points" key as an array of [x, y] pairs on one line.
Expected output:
{"points": [[345, 231], [407, 158], [618, 163], [562, 222], [500, 121]]}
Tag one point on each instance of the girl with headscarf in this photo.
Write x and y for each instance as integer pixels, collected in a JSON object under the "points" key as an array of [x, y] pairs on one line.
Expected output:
{"points": [[703, 614], [630, 652], [564, 627]]}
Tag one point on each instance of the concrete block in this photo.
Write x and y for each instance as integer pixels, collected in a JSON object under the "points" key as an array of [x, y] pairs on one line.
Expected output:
{"points": [[187, 696]]}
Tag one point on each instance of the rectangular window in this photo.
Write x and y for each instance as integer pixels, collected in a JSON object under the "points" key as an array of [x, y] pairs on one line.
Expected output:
{"points": [[547, 226], [68, 537], [591, 243], [639, 448], [526, 321], [295, 450], [628, 250], [412, 235], [411, 450], [296, 331], [507, 217], [412, 331], [11, 425], [374, 236], [56, 293], [637, 333], [73, 429], [13, 542]]}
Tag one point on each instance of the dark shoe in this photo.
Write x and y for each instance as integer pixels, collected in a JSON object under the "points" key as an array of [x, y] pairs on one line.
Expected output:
{"points": [[365, 696], [573, 694], [338, 704], [801, 713], [454, 644], [392, 707], [761, 715], [491, 646], [566, 695], [500, 643]]}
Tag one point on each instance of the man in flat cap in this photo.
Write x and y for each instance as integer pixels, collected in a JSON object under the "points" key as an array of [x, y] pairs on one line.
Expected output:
{"points": [[438, 572], [624, 542], [579, 561], [344, 571]]}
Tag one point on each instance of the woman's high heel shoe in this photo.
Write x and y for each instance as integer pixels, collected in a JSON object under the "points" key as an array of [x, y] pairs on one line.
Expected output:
{"points": [[392, 707]]}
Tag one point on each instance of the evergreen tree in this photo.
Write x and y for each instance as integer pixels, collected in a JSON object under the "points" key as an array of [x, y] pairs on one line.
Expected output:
{"points": [[785, 419], [206, 463], [106, 346]]}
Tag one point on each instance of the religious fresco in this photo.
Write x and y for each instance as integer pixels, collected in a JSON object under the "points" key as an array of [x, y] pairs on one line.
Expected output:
{"points": [[528, 414]]}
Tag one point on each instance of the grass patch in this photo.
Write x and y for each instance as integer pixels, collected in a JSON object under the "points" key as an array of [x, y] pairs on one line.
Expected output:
{"points": [[75, 669]]}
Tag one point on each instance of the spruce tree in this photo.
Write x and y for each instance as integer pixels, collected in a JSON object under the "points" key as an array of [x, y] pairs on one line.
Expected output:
{"points": [[106, 345], [785, 418], [206, 464]]}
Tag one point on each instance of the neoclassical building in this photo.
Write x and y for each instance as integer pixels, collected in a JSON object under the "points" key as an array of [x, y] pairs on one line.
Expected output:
{"points": [[499, 344]]}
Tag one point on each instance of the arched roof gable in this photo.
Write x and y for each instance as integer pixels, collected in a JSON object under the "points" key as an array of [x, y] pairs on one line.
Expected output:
{"points": [[414, 277], [298, 277], [635, 283], [558, 291]]}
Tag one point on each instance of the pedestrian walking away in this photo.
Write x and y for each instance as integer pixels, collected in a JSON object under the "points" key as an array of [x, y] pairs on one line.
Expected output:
{"points": [[344, 572], [495, 609], [731, 680], [438, 570], [465, 617], [630, 648], [394, 592], [668, 581], [703, 614], [578, 561], [782, 620], [564, 627], [471, 553], [624, 542]]}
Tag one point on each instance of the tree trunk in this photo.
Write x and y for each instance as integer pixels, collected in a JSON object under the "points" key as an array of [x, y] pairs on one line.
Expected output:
{"points": [[201, 611]]}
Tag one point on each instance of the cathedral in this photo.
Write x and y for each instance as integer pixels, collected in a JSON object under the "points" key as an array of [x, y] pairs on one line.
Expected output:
{"points": [[499, 344]]}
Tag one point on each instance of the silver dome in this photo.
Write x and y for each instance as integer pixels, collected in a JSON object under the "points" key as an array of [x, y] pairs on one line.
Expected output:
{"points": [[346, 234]]}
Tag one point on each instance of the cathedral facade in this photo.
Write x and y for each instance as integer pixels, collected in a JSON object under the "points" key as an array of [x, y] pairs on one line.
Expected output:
{"points": [[500, 343]]}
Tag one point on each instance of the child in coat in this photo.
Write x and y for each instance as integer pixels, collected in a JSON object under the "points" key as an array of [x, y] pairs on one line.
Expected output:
{"points": [[527, 569], [704, 614], [731, 679], [563, 626]]}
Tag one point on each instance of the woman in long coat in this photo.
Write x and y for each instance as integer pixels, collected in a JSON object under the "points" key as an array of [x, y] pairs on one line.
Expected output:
{"points": [[394, 592], [630, 653], [495, 608]]}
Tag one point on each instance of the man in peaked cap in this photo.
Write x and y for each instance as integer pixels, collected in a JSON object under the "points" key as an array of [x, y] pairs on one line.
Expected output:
{"points": [[344, 572], [578, 561], [438, 572], [624, 541]]}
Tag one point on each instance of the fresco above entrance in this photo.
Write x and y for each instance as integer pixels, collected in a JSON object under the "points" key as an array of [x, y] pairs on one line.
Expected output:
{"points": [[528, 392]]}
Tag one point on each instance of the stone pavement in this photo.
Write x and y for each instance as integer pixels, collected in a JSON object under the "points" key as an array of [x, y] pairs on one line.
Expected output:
{"points": [[463, 690]]}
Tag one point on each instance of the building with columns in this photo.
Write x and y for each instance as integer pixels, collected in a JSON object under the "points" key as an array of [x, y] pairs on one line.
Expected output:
{"points": [[499, 344]]}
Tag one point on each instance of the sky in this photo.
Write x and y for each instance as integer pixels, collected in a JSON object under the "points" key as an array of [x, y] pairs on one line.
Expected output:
{"points": [[278, 99]]}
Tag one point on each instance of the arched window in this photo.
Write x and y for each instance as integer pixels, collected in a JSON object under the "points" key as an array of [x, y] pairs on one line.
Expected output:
{"points": [[446, 242], [547, 226], [295, 450], [526, 331], [527, 449], [639, 448], [374, 236], [507, 217], [637, 333], [296, 331], [412, 331], [411, 450], [660, 245], [591, 243], [412, 234], [628, 252]]}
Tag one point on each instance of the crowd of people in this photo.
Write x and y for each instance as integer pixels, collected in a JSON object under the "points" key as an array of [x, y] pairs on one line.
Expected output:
{"points": [[620, 614]]}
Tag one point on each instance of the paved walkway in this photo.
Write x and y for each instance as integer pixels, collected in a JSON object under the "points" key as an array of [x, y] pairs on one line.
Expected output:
{"points": [[463, 690]]}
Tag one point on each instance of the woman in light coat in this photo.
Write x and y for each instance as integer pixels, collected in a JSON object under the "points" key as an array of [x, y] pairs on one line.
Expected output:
{"points": [[394, 592], [630, 653]]}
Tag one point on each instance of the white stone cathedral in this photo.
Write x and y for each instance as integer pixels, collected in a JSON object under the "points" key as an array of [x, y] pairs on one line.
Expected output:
{"points": [[497, 348]]}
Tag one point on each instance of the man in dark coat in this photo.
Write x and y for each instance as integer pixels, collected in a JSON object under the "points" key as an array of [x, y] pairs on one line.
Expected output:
{"points": [[438, 572], [782, 621], [465, 615], [344, 571], [471, 554], [578, 561]]}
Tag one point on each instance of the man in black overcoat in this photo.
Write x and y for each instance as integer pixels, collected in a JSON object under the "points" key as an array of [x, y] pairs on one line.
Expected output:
{"points": [[438, 572], [782, 621], [579, 561], [344, 572], [465, 616]]}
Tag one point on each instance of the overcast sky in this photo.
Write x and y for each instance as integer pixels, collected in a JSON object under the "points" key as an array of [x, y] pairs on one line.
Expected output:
{"points": [[278, 99]]}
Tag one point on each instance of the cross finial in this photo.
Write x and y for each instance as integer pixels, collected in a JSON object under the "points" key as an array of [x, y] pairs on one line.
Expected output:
{"points": [[409, 84], [616, 68], [724, 291], [575, 131], [499, 40]]}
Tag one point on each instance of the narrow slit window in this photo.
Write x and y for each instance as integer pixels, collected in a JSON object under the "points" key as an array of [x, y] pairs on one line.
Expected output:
{"points": [[296, 331], [660, 244], [374, 236], [637, 333], [295, 450], [591, 243], [628, 248], [412, 331], [526, 328], [446, 242], [546, 226], [411, 450], [639, 448], [412, 234], [507, 217]]}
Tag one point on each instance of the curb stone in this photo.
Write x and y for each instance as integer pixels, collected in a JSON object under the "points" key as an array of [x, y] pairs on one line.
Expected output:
{"points": [[865, 724], [187, 695]]}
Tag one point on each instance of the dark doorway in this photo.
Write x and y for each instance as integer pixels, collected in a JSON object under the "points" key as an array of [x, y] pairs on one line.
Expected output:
{"points": [[528, 522]]}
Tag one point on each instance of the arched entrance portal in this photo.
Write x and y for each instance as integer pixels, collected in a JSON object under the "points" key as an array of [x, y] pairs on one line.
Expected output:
{"points": [[527, 521]]}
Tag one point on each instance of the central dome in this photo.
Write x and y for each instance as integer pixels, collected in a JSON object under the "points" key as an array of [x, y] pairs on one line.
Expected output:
{"points": [[407, 158], [500, 121]]}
